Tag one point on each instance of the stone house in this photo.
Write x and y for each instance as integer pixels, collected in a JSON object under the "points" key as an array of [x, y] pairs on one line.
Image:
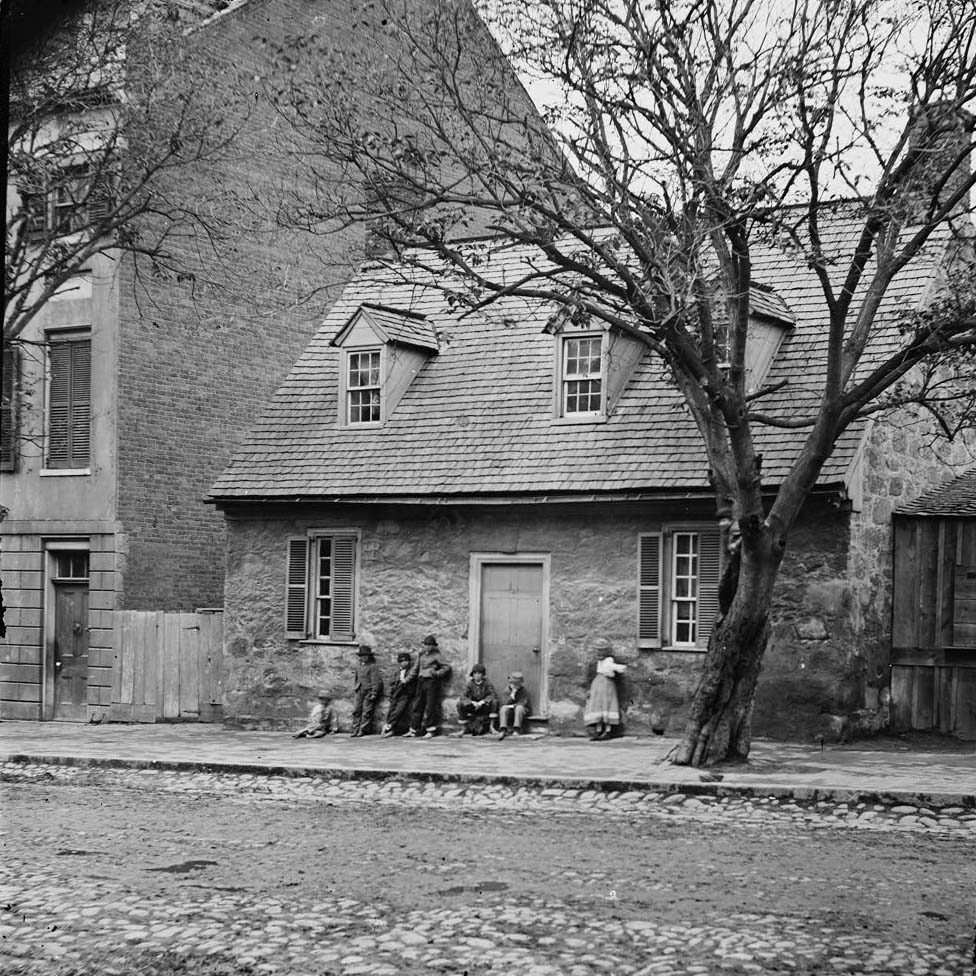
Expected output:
{"points": [[933, 660], [129, 392], [537, 496]]}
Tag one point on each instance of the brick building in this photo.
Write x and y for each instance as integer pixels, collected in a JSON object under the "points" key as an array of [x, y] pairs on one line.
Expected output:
{"points": [[137, 388], [463, 485]]}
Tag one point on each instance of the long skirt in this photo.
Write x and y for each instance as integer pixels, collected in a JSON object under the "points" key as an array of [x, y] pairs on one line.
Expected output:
{"points": [[602, 704]]}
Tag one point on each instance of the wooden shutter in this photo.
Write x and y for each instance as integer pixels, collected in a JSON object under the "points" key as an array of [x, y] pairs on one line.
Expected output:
{"points": [[81, 404], [296, 589], [343, 587], [709, 572], [9, 408], [649, 617], [69, 405]]}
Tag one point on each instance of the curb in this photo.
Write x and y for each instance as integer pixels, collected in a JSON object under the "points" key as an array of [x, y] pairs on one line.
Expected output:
{"points": [[778, 791]]}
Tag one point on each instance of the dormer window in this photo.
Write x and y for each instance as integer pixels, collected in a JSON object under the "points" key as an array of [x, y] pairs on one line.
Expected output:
{"points": [[382, 349], [363, 387], [582, 375]]}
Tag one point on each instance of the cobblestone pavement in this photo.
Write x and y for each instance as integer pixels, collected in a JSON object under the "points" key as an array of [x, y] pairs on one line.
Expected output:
{"points": [[53, 917]]}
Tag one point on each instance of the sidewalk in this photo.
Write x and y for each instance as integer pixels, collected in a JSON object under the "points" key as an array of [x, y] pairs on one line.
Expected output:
{"points": [[893, 776]]}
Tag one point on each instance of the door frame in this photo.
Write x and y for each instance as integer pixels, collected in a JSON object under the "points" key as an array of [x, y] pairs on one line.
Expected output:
{"points": [[52, 547], [481, 559]]}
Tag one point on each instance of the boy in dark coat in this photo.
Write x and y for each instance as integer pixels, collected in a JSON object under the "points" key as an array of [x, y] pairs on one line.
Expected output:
{"points": [[477, 707], [427, 707], [369, 688], [402, 693]]}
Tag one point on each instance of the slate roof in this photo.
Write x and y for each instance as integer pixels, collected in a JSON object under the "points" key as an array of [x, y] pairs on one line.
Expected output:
{"points": [[956, 498], [477, 420]]}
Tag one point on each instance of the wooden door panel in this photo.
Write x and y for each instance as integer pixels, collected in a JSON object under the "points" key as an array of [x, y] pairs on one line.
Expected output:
{"points": [[70, 651], [511, 626]]}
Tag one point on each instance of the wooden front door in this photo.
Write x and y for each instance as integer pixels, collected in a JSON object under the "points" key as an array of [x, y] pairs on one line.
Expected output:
{"points": [[511, 626], [70, 650]]}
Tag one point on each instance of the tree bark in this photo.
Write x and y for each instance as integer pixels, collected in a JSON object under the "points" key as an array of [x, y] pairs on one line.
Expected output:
{"points": [[719, 726]]}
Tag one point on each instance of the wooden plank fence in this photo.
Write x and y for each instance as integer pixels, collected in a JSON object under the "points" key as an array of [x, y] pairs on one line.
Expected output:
{"points": [[167, 666], [941, 698]]}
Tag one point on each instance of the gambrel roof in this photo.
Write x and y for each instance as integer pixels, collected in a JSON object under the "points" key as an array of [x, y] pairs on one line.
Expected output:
{"points": [[954, 499], [477, 421]]}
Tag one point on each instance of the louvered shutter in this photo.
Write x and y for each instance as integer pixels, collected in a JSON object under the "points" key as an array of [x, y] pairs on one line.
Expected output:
{"points": [[709, 571], [343, 588], [649, 621], [59, 407], [296, 595], [9, 408], [80, 404]]}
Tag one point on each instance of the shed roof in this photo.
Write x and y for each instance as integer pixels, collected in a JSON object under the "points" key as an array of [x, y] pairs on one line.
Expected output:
{"points": [[477, 419], [956, 498]]}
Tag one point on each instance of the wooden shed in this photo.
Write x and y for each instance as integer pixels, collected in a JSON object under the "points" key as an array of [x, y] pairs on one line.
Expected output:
{"points": [[933, 659]]}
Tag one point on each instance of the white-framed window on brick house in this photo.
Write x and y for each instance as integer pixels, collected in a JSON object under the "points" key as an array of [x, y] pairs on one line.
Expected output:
{"points": [[581, 380], [363, 386], [68, 441], [679, 570], [320, 601]]}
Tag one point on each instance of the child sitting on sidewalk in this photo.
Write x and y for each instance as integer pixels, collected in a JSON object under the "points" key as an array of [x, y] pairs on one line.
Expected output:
{"points": [[321, 720], [514, 707]]}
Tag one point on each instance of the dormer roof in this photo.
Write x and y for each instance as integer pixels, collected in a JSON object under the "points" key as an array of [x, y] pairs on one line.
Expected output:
{"points": [[392, 325], [764, 303]]}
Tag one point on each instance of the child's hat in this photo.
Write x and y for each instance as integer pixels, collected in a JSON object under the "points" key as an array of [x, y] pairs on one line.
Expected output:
{"points": [[404, 656], [430, 641], [516, 677], [477, 669], [365, 650]]}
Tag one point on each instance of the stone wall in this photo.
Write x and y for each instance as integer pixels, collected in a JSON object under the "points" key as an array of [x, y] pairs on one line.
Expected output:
{"points": [[414, 580]]}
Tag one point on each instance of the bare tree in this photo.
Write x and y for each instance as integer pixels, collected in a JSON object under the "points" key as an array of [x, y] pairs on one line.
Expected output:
{"points": [[109, 112], [682, 138]]}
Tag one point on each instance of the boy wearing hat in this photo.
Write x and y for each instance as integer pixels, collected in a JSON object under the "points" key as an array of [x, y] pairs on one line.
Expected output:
{"points": [[321, 720], [368, 686], [401, 696], [426, 709], [511, 714], [477, 708]]}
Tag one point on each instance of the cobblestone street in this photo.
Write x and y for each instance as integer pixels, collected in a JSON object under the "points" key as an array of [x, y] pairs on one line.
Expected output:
{"points": [[104, 869]]}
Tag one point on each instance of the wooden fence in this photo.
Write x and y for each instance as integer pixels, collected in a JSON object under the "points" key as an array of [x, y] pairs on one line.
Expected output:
{"points": [[934, 698], [168, 666]]}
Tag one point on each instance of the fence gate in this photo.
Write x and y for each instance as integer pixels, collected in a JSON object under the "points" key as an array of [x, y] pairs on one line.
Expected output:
{"points": [[168, 666]]}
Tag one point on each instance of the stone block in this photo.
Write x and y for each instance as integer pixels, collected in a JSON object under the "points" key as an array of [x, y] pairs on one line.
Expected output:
{"points": [[812, 629]]}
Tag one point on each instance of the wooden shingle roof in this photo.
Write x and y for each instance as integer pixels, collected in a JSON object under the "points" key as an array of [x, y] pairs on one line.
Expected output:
{"points": [[956, 498], [477, 419]]}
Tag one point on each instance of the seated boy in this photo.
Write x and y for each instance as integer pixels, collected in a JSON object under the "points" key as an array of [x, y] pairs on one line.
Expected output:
{"points": [[514, 707], [477, 708], [321, 720]]}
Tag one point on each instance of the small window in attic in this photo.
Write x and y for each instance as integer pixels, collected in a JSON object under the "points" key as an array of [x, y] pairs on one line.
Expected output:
{"points": [[363, 387], [770, 320]]}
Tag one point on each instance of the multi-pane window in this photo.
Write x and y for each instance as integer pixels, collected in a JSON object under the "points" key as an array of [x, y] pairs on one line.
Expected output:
{"points": [[363, 387], [582, 375], [71, 564], [321, 587], [684, 594], [69, 402], [678, 586], [72, 199]]}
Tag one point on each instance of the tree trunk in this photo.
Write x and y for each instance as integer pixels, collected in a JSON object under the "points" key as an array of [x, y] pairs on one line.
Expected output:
{"points": [[719, 727]]}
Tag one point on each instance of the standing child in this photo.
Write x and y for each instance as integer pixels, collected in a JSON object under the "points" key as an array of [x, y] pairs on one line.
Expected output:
{"points": [[514, 707], [368, 687], [427, 707], [477, 707], [402, 693], [321, 719], [602, 712]]}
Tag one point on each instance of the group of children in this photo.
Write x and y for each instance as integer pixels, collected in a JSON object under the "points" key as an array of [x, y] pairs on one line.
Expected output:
{"points": [[415, 700]]}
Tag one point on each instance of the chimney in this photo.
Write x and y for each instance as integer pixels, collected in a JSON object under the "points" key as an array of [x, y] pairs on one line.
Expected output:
{"points": [[943, 133]]}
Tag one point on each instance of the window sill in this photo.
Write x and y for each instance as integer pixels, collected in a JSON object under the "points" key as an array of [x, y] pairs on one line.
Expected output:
{"points": [[672, 649], [63, 472], [587, 418], [326, 642]]}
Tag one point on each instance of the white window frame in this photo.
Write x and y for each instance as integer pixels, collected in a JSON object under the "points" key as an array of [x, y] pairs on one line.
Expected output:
{"points": [[348, 390], [303, 587], [661, 591], [563, 378]]}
